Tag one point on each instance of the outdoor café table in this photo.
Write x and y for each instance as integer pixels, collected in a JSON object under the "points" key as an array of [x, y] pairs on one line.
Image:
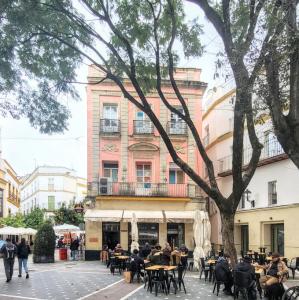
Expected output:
{"points": [[268, 258], [211, 263], [155, 268], [122, 259]]}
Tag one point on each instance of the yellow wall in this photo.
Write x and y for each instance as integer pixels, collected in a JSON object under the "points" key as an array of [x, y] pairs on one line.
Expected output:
{"points": [[259, 221]]}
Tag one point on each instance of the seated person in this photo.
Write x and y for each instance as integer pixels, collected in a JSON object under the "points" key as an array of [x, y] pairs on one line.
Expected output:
{"points": [[175, 257], [246, 267], [224, 274], [184, 249], [118, 249], [155, 257], [136, 264], [166, 253], [146, 250], [275, 271]]}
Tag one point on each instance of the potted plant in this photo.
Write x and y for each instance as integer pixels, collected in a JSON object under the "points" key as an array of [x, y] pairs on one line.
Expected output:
{"points": [[44, 245]]}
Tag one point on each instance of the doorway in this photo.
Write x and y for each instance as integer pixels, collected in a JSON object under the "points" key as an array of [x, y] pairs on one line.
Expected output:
{"points": [[277, 238], [175, 234], [244, 238], [111, 234]]}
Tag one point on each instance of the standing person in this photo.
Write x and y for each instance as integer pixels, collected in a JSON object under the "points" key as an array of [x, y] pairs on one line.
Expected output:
{"points": [[9, 251], [23, 250], [166, 254], [74, 248], [146, 250]]}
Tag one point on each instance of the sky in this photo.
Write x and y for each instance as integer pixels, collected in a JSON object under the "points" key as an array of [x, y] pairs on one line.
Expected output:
{"points": [[25, 148]]}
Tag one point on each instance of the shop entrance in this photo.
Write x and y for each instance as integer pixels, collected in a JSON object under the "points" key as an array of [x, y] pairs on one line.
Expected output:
{"points": [[111, 234], [244, 238], [277, 238], [175, 234]]}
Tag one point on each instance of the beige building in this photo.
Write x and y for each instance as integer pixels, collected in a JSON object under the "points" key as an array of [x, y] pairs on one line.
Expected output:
{"points": [[9, 190], [267, 213]]}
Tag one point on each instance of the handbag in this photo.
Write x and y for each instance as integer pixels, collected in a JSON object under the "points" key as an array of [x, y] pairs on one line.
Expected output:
{"points": [[127, 276]]}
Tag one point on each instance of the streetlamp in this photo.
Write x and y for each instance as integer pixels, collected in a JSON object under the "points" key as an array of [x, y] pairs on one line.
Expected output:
{"points": [[248, 193]]}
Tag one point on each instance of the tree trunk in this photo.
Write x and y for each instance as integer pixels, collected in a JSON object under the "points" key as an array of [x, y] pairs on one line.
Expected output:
{"points": [[227, 230]]}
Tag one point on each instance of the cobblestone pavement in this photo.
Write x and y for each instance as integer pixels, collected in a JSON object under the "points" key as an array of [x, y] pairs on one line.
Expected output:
{"points": [[90, 281]]}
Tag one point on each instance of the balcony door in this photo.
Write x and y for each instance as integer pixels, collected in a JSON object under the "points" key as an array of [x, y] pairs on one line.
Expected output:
{"points": [[176, 123], [110, 118], [143, 176], [143, 124]]}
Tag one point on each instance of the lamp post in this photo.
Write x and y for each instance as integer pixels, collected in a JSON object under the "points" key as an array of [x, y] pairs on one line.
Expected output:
{"points": [[247, 192]]}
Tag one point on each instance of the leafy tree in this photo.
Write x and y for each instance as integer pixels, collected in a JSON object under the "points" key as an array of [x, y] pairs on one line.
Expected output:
{"points": [[68, 215], [141, 38], [34, 219], [44, 244], [13, 221]]}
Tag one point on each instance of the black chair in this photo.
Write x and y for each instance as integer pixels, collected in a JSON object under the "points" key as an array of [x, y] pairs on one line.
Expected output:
{"points": [[255, 256], [204, 268], [291, 293], [160, 282], [262, 259], [114, 265], [274, 291], [294, 265], [178, 282], [242, 282], [217, 284], [135, 270]]}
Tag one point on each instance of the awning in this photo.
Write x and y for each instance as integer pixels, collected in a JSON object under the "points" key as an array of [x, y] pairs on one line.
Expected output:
{"points": [[17, 231], [97, 215], [179, 216], [146, 216]]}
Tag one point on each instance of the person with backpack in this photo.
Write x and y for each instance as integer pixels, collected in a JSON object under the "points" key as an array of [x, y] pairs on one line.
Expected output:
{"points": [[9, 251], [23, 250]]}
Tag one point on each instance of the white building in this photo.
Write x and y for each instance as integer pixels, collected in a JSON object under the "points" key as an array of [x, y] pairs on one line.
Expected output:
{"points": [[49, 187], [268, 210]]}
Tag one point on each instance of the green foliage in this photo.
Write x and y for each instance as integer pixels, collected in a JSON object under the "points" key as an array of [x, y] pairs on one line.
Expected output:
{"points": [[44, 244], [68, 215], [13, 221], [34, 219]]}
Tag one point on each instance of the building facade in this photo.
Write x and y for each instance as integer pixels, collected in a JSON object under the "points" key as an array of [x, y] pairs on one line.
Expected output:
{"points": [[50, 187], [267, 212], [130, 170], [9, 190]]}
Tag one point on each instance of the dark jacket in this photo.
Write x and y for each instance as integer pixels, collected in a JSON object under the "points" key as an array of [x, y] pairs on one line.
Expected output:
{"points": [[184, 250], [23, 250], [136, 262], [246, 267], [74, 244], [146, 251], [8, 251], [166, 256], [222, 271], [156, 259]]}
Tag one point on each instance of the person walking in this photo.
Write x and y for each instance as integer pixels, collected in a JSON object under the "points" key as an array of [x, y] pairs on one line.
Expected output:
{"points": [[9, 251], [23, 251], [74, 248]]}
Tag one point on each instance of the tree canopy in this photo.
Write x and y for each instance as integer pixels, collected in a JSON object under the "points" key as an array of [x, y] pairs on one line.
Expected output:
{"points": [[68, 215]]}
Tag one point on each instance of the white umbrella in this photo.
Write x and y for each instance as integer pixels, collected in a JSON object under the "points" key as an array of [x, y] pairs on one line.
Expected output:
{"points": [[8, 230], [29, 231], [134, 231], [66, 228], [198, 238], [207, 235]]}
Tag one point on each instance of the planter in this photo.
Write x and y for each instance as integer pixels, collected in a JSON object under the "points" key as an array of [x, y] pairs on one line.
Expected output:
{"points": [[43, 259]]}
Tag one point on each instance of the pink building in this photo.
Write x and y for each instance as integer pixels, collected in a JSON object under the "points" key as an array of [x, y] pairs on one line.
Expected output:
{"points": [[129, 168]]}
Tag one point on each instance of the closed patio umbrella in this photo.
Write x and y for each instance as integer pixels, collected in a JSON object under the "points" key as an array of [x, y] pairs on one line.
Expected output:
{"points": [[207, 234], [198, 237], [134, 232]]}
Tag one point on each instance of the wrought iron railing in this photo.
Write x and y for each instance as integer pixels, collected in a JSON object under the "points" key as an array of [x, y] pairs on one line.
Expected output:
{"points": [[271, 148], [143, 127], [145, 189], [109, 126], [177, 128]]}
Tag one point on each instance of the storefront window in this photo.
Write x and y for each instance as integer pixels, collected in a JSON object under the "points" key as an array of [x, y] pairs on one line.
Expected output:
{"points": [[176, 234], [147, 232]]}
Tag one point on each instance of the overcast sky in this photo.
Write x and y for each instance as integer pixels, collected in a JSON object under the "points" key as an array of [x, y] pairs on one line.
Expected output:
{"points": [[24, 147]]}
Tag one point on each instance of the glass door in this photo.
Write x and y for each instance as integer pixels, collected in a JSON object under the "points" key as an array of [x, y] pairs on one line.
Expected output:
{"points": [[110, 118], [277, 238]]}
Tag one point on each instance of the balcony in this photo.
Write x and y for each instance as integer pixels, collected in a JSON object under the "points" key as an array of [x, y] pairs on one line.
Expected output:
{"points": [[271, 152], [177, 128], [14, 199], [146, 189], [109, 126], [143, 127]]}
